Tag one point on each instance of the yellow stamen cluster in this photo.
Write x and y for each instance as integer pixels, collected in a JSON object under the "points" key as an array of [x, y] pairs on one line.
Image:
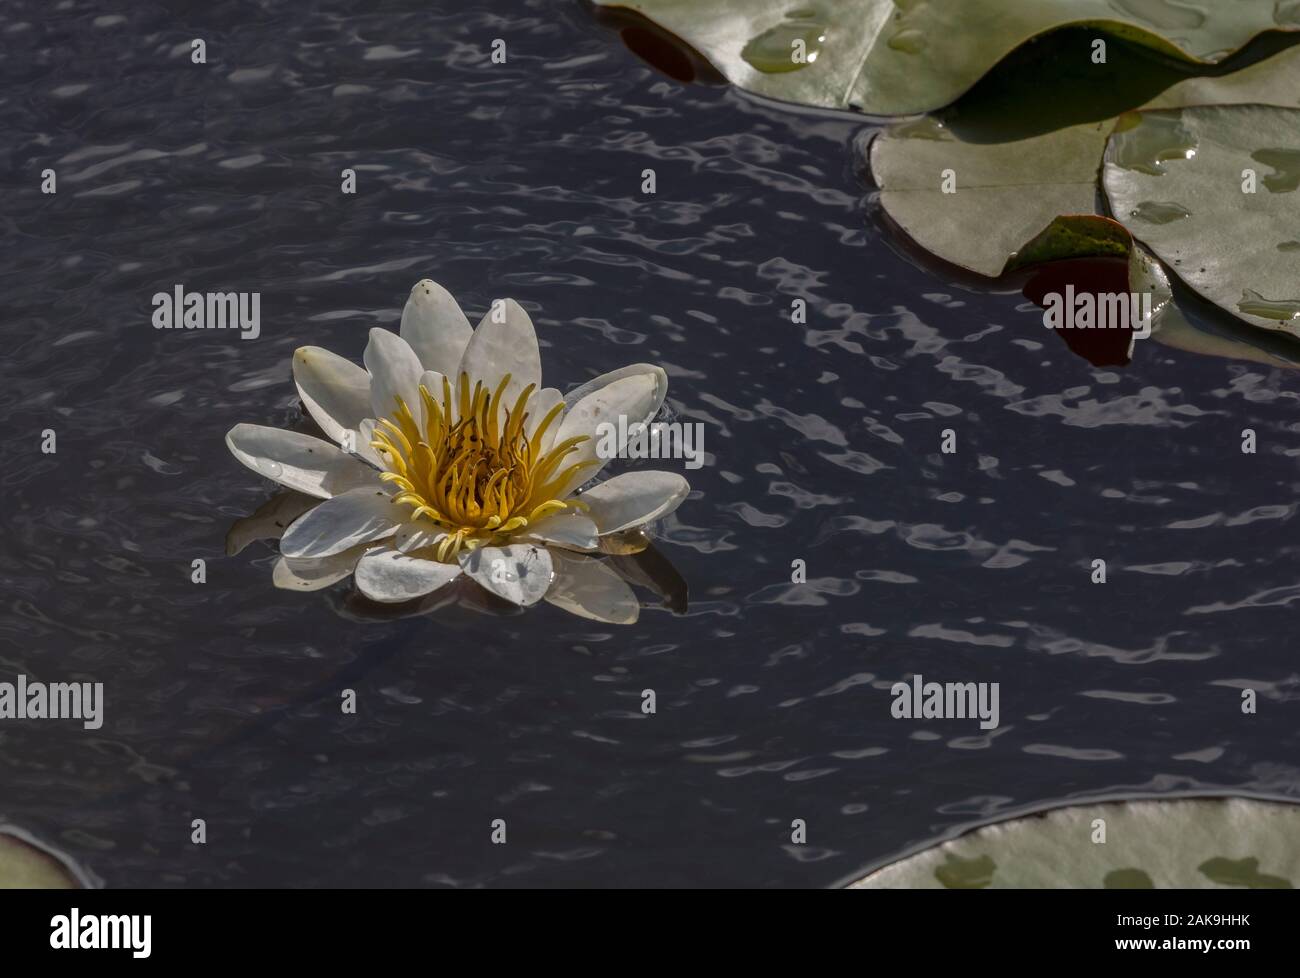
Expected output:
{"points": [[470, 471]]}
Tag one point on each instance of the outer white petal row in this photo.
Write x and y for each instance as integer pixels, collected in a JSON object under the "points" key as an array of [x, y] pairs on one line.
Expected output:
{"points": [[520, 574], [339, 536]]}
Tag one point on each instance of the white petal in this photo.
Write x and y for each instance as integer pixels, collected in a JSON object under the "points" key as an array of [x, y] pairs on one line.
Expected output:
{"points": [[312, 574], [365, 435], [432, 380], [508, 347], [383, 574], [520, 573], [359, 516], [631, 397], [586, 587], [571, 530], [335, 391], [435, 328], [394, 372], [298, 461], [634, 498], [604, 380], [539, 405], [417, 536]]}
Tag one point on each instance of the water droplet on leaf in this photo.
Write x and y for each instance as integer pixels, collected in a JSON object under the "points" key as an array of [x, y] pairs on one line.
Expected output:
{"points": [[1286, 167], [1254, 304], [775, 51], [1154, 139], [1159, 212]]}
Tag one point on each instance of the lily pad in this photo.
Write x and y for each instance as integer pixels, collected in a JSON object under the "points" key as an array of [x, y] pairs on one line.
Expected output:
{"points": [[1181, 182], [1004, 194], [977, 205], [899, 57], [26, 864], [1199, 843]]}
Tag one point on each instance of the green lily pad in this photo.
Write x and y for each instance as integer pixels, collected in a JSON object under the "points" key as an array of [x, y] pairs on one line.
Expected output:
{"points": [[1176, 179], [1198, 843], [1007, 193], [899, 57], [26, 865]]}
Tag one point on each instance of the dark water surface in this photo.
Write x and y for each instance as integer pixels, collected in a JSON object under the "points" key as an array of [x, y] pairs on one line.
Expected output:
{"points": [[523, 179]]}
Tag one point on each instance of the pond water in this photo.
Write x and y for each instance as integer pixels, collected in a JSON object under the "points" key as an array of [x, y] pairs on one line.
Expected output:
{"points": [[524, 179]]}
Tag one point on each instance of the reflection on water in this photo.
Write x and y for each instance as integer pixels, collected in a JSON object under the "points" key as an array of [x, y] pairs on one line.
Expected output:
{"points": [[1102, 347], [524, 179]]}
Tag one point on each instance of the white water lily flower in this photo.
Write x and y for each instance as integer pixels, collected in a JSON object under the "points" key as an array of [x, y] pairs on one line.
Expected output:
{"points": [[453, 459]]}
